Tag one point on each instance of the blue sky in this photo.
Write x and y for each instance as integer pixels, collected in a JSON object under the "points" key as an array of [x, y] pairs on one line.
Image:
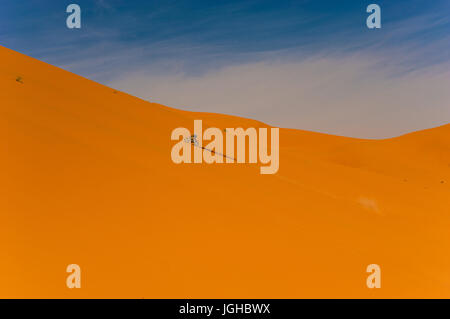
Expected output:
{"points": [[120, 38], [210, 33]]}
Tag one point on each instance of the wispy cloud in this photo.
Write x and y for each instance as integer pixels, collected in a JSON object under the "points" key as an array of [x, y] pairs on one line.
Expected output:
{"points": [[304, 64], [351, 96]]}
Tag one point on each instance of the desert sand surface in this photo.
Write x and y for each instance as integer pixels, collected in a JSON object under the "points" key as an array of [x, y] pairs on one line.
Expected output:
{"points": [[87, 179]]}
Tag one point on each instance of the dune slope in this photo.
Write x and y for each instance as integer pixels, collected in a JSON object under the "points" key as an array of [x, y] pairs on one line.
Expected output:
{"points": [[87, 179]]}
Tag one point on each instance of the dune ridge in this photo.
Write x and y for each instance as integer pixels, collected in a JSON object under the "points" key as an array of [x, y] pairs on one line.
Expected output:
{"points": [[88, 179]]}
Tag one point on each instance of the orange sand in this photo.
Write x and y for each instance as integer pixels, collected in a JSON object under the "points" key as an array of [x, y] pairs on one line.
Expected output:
{"points": [[87, 178]]}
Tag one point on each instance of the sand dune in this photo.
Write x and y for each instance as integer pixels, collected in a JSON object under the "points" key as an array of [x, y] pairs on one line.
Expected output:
{"points": [[87, 179]]}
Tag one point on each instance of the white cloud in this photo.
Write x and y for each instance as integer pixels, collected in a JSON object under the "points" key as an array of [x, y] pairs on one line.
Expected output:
{"points": [[360, 96]]}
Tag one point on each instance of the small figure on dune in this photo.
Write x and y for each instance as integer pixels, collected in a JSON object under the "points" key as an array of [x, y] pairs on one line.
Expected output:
{"points": [[19, 79], [192, 140]]}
